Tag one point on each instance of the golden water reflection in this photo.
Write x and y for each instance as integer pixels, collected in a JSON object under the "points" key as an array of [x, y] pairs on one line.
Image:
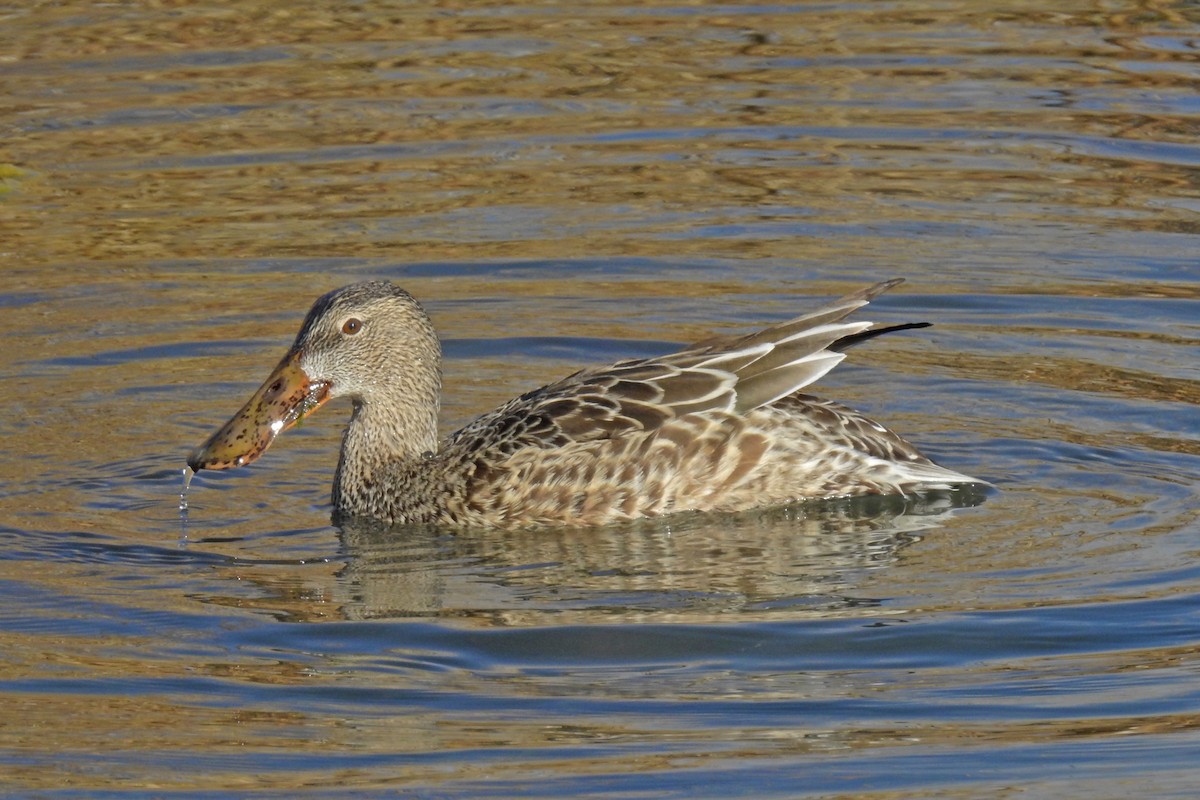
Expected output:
{"points": [[556, 133], [562, 184]]}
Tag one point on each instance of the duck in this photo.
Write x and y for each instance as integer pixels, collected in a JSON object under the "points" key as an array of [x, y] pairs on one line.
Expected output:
{"points": [[719, 426]]}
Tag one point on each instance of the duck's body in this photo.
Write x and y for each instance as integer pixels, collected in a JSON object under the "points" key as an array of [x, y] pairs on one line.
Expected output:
{"points": [[718, 426]]}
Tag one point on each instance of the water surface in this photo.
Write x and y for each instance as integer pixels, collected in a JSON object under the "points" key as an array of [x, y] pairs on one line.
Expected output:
{"points": [[562, 185]]}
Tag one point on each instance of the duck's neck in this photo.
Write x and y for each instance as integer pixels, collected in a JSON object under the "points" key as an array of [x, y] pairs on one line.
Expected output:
{"points": [[378, 441]]}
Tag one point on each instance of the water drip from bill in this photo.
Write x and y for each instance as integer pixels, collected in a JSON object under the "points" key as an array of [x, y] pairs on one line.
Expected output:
{"points": [[188, 474]]}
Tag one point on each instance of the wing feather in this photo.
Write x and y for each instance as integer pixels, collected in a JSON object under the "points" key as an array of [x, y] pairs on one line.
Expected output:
{"points": [[726, 374]]}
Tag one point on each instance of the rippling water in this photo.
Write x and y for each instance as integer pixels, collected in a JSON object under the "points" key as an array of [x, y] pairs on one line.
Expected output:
{"points": [[563, 185]]}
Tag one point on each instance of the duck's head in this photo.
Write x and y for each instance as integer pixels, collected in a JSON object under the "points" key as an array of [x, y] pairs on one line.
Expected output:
{"points": [[371, 342]]}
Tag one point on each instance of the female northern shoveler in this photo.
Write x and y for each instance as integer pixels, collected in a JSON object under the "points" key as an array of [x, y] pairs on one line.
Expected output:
{"points": [[717, 426]]}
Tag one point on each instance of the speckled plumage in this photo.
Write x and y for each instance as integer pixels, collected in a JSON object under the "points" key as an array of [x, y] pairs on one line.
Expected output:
{"points": [[718, 426]]}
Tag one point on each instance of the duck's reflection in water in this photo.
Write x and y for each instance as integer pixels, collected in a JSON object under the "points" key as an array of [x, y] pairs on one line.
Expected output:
{"points": [[805, 559]]}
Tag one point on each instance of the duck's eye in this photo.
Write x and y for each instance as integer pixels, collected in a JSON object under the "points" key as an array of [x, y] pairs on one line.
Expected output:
{"points": [[351, 326]]}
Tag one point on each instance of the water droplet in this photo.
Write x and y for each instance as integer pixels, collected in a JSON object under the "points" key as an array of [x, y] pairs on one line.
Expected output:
{"points": [[188, 474]]}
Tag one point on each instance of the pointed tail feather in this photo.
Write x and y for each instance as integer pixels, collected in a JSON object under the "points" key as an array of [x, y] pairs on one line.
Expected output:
{"points": [[858, 338]]}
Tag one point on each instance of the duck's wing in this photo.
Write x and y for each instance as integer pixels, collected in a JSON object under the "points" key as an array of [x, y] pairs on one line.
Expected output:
{"points": [[729, 374]]}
